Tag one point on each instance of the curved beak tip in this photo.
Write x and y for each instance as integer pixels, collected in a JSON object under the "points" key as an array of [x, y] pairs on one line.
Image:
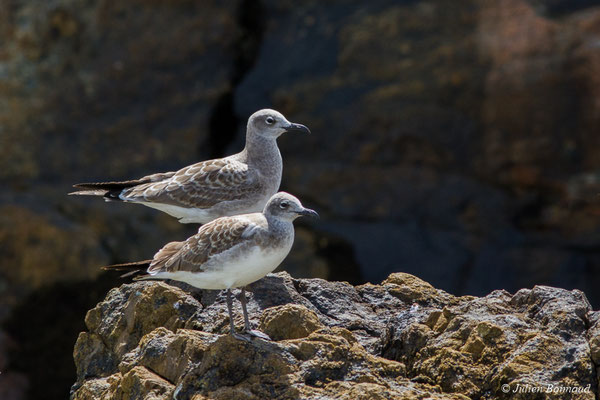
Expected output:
{"points": [[307, 212], [292, 127]]}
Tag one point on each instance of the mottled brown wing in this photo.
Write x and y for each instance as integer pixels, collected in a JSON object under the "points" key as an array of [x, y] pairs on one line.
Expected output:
{"points": [[212, 239], [167, 252], [201, 185]]}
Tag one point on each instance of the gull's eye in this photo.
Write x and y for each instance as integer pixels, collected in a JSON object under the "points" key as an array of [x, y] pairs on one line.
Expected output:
{"points": [[270, 120], [284, 205]]}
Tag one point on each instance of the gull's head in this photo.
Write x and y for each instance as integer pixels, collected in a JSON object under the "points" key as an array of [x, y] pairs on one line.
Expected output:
{"points": [[285, 206], [271, 124]]}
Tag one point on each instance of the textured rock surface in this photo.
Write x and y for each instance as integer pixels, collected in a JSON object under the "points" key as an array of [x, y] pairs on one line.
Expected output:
{"points": [[402, 339]]}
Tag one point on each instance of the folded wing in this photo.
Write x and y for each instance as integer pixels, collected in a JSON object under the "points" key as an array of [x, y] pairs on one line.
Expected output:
{"points": [[213, 239], [201, 185]]}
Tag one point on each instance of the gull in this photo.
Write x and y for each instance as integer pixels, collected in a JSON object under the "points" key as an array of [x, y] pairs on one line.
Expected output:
{"points": [[239, 184], [228, 252]]}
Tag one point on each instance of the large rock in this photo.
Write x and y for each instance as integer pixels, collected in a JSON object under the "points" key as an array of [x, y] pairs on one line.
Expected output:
{"points": [[402, 339]]}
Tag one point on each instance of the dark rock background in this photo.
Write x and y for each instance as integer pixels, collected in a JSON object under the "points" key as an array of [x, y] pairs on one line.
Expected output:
{"points": [[454, 141]]}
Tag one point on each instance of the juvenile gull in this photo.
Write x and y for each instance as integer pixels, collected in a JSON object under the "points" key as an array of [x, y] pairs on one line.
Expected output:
{"points": [[238, 184], [228, 252]]}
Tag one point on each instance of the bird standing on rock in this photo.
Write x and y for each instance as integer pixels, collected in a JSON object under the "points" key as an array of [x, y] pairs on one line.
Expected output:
{"points": [[238, 184], [228, 252]]}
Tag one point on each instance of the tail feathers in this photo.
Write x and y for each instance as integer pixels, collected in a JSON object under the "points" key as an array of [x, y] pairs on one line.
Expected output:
{"points": [[109, 190], [108, 196], [137, 269]]}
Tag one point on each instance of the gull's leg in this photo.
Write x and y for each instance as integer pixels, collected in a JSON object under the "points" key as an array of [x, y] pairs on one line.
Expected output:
{"points": [[244, 310], [230, 309], [247, 327], [231, 326]]}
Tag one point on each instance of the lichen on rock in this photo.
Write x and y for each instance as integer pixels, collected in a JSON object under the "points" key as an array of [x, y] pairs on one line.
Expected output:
{"points": [[403, 339]]}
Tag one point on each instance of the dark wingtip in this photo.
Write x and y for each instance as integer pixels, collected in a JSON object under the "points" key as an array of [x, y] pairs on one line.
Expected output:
{"points": [[112, 195], [88, 192], [132, 266], [135, 269], [110, 186]]}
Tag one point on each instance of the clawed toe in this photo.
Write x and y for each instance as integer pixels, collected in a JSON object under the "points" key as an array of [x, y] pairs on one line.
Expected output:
{"points": [[258, 334], [247, 335]]}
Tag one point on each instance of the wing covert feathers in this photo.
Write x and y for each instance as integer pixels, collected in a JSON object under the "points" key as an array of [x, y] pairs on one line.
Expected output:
{"points": [[201, 185], [211, 240]]}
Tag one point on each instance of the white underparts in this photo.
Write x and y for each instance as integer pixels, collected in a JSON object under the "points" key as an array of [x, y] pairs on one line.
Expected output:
{"points": [[185, 215], [236, 272]]}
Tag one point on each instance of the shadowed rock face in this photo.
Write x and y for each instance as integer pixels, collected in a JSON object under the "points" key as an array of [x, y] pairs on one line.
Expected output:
{"points": [[471, 127], [92, 90], [400, 339]]}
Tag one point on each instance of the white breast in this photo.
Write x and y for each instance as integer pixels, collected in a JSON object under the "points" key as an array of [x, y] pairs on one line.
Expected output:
{"points": [[239, 271]]}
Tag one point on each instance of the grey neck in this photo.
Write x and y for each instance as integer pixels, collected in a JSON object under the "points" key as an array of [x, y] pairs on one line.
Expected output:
{"points": [[263, 153], [279, 227]]}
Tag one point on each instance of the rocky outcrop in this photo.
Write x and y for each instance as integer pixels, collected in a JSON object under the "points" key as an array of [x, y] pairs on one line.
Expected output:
{"points": [[402, 339]]}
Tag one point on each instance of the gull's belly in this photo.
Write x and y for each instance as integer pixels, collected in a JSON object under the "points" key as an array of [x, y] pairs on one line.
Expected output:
{"points": [[239, 271], [185, 215], [192, 215]]}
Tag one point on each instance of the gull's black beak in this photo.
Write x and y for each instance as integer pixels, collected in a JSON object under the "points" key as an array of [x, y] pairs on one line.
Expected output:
{"points": [[307, 212], [296, 128]]}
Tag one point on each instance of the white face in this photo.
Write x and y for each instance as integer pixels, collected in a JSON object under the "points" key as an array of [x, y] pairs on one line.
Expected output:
{"points": [[271, 124]]}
